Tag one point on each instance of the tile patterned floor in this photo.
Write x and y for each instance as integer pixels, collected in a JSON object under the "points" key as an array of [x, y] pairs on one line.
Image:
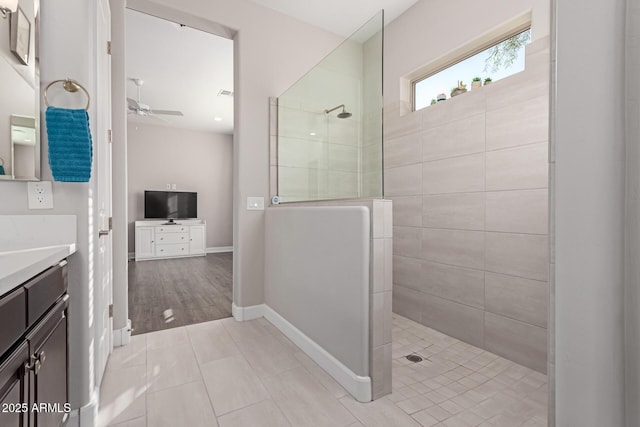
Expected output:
{"points": [[225, 373]]}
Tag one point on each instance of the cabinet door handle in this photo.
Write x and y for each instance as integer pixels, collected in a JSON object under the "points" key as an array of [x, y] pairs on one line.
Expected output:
{"points": [[36, 362]]}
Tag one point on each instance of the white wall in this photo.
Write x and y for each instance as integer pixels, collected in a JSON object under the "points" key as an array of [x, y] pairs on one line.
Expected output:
{"points": [[195, 161], [589, 214], [632, 232], [321, 297]]}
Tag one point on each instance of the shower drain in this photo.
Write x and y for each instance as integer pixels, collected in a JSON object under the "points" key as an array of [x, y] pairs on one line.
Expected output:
{"points": [[414, 358]]}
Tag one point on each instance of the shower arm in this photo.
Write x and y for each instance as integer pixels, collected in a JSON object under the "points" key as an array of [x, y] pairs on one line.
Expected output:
{"points": [[334, 109]]}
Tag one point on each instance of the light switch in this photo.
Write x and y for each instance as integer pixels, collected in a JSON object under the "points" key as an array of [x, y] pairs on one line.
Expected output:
{"points": [[255, 203]]}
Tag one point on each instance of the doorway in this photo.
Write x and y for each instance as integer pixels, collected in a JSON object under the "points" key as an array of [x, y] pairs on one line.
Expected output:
{"points": [[179, 89]]}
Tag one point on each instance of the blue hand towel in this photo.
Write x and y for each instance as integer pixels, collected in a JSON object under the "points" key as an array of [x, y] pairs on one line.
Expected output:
{"points": [[70, 145]]}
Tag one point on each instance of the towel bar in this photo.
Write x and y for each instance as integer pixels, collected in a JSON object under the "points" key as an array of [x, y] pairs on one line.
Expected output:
{"points": [[69, 85]]}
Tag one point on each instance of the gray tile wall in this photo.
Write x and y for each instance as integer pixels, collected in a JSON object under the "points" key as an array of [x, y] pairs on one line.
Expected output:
{"points": [[469, 182]]}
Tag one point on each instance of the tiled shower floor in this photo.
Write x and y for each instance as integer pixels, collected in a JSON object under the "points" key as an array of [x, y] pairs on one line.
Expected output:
{"points": [[248, 374]]}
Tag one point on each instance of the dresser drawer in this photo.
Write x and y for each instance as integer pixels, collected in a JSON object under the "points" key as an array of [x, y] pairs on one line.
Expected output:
{"points": [[172, 250], [172, 229], [172, 238]]}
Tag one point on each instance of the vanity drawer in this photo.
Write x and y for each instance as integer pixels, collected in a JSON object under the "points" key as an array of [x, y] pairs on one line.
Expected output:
{"points": [[172, 250], [172, 229], [43, 291], [13, 318], [172, 238]]}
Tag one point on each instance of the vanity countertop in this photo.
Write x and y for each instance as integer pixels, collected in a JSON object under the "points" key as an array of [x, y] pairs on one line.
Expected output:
{"points": [[16, 267]]}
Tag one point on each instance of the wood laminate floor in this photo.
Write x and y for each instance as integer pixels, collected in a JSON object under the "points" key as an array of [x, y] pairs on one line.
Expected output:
{"points": [[169, 293]]}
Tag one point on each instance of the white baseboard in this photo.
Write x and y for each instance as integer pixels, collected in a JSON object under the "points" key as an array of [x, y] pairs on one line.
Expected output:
{"points": [[213, 250], [87, 416], [219, 249], [122, 336], [358, 386], [247, 313]]}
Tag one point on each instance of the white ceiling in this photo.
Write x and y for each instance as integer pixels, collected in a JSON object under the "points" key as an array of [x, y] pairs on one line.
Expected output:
{"points": [[183, 69], [341, 17]]}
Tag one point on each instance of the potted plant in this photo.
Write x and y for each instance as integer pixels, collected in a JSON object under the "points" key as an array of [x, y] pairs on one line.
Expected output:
{"points": [[476, 83], [487, 81], [461, 88], [433, 101]]}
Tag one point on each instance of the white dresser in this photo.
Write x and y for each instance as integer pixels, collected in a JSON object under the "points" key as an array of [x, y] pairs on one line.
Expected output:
{"points": [[156, 239]]}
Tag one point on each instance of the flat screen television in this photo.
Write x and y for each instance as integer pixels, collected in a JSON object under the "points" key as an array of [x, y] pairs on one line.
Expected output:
{"points": [[170, 204]]}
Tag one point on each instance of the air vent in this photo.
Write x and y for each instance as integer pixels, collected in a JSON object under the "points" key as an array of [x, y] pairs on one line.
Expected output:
{"points": [[224, 92]]}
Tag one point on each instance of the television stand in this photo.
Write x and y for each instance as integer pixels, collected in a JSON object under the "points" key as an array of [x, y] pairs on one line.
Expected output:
{"points": [[161, 239]]}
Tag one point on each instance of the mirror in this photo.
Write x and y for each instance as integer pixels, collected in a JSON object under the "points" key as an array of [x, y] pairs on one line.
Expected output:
{"points": [[25, 153], [20, 103]]}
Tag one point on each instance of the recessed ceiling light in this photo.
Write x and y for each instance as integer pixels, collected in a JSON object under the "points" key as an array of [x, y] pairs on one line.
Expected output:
{"points": [[312, 133], [217, 119]]}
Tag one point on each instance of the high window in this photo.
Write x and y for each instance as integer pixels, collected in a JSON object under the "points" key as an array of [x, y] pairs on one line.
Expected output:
{"points": [[497, 61]]}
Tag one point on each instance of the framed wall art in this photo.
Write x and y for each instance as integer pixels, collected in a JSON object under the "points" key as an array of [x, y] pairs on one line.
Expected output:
{"points": [[20, 39]]}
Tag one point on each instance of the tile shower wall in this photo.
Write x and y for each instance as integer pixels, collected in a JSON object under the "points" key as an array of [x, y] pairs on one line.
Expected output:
{"points": [[469, 182]]}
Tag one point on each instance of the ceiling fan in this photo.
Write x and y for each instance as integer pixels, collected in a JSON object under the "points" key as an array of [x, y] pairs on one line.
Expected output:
{"points": [[137, 107]]}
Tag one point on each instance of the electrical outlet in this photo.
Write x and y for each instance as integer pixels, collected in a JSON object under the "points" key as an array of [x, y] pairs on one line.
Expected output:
{"points": [[168, 186], [40, 195], [174, 186]]}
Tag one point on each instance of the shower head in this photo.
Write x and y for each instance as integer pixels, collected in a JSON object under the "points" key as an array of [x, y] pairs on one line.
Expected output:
{"points": [[344, 115]]}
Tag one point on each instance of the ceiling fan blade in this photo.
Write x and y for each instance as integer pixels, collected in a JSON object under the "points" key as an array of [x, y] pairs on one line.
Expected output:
{"points": [[167, 112], [132, 104]]}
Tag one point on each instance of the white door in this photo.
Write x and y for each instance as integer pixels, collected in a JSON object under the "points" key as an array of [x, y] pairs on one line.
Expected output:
{"points": [[196, 239], [145, 245], [104, 293]]}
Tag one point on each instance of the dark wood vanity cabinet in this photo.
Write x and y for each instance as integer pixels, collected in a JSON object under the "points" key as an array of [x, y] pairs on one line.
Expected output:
{"points": [[13, 388], [34, 371], [48, 367]]}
